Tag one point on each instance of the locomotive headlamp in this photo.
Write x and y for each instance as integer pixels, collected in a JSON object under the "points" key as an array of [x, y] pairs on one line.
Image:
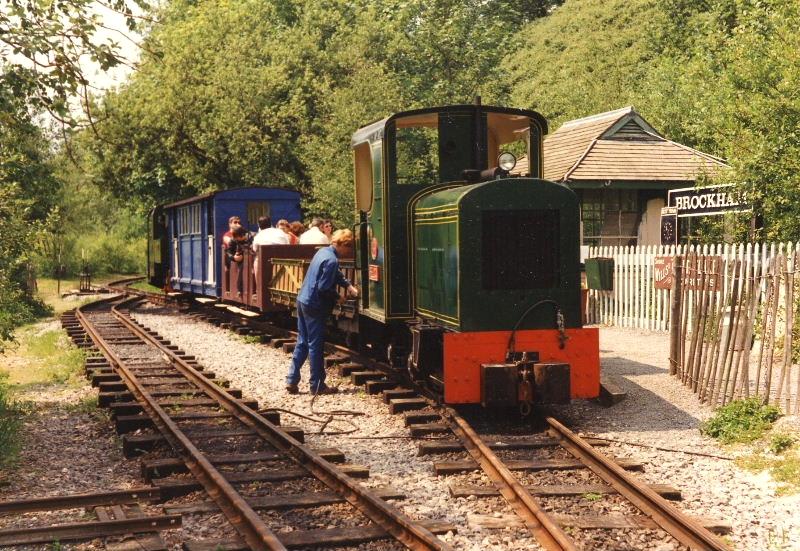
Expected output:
{"points": [[507, 161]]}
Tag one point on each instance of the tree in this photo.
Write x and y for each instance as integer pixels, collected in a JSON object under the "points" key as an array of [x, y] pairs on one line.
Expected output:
{"points": [[41, 45], [269, 93]]}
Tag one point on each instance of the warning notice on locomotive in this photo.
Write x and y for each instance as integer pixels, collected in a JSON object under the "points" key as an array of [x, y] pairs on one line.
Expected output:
{"points": [[708, 200]]}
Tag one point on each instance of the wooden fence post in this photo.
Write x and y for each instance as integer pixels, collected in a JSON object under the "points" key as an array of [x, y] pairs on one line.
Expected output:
{"points": [[675, 316]]}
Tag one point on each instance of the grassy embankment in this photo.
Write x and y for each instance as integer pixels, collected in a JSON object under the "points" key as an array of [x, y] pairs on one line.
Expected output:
{"points": [[41, 360], [751, 423]]}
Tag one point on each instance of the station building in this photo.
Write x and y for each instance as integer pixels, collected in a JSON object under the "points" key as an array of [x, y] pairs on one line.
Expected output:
{"points": [[621, 168]]}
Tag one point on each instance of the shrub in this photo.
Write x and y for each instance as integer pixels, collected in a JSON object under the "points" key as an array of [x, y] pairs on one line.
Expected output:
{"points": [[780, 443], [10, 422], [741, 421]]}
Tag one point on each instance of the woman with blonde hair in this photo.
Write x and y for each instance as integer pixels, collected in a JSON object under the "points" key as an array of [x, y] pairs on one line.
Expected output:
{"points": [[315, 302]]}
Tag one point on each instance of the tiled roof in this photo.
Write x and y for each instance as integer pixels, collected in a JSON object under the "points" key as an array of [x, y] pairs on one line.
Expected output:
{"points": [[620, 145]]}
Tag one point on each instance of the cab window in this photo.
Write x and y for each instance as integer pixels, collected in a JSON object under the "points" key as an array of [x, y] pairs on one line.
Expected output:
{"points": [[417, 149], [512, 133]]}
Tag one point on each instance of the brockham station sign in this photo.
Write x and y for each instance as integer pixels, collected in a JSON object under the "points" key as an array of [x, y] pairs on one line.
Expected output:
{"points": [[707, 201]]}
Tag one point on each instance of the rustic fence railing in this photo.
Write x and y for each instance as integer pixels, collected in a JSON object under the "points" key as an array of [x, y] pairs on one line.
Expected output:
{"points": [[735, 337]]}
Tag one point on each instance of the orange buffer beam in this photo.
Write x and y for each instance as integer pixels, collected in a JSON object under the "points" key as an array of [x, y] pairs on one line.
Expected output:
{"points": [[465, 352]]}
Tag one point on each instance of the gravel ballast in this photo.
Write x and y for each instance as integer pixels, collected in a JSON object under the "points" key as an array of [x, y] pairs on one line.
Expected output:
{"points": [[658, 411], [260, 372]]}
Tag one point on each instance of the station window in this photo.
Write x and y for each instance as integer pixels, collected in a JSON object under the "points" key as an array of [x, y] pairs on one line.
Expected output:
{"points": [[189, 220], [520, 249], [610, 216]]}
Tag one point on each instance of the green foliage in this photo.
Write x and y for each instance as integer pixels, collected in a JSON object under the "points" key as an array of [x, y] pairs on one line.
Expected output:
{"points": [[17, 305], [719, 76], [41, 44], [269, 92], [741, 421], [586, 57], [10, 423], [251, 339], [779, 443]]}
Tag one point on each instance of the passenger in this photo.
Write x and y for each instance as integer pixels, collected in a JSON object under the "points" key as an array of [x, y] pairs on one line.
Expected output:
{"points": [[283, 225], [297, 230], [327, 229], [234, 253], [315, 302], [267, 235], [233, 222], [238, 242], [314, 235]]}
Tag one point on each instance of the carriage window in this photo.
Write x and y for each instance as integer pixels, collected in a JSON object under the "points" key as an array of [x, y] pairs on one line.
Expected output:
{"points": [[520, 249], [255, 210], [189, 220], [417, 149]]}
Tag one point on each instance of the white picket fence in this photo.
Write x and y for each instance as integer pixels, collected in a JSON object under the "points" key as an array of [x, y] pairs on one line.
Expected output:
{"points": [[636, 303]]}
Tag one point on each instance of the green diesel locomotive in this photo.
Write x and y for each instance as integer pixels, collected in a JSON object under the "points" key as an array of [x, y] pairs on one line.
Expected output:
{"points": [[468, 264]]}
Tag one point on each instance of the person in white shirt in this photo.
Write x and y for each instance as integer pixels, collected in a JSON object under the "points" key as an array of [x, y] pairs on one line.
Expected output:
{"points": [[266, 235], [314, 235]]}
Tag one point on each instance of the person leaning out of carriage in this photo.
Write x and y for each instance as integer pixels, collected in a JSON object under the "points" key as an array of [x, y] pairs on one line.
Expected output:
{"points": [[233, 223], [238, 242], [315, 302]]}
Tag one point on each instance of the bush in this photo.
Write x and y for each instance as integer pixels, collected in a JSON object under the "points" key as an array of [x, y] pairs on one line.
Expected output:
{"points": [[10, 422], [780, 443], [741, 421]]}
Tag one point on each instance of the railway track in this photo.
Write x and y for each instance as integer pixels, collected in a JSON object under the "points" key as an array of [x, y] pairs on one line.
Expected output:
{"points": [[223, 455], [525, 481]]}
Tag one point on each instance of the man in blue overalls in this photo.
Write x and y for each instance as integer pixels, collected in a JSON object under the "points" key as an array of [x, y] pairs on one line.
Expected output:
{"points": [[315, 302]]}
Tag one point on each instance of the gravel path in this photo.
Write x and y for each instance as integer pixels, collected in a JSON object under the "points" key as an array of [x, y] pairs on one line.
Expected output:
{"points": [[260, 372], [660, 411], [657, 411]]}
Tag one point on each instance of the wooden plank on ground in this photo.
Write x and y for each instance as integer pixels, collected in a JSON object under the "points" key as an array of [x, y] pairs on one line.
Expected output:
{"points": [[313, 499], [172, 487], [86, 530], [664, 490], [454, 467], [611, 393], [454, 446], [312, 538], [75, 501], [589, 522]]}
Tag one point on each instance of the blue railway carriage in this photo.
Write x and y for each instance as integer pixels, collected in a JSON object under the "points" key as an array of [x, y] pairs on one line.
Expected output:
{"points": [[195, 226]]}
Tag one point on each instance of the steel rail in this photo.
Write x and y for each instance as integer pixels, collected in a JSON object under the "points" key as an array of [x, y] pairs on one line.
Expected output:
{"points": [[244, 519], [680, 526], [541, 525], [405, 530], [683, 528]]}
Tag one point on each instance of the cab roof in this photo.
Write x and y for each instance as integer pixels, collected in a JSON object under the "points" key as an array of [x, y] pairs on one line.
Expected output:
{"points": [[374, 131]]}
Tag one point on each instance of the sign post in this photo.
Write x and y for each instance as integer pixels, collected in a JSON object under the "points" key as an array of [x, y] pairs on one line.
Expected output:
{"points": [[669, 226]]}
